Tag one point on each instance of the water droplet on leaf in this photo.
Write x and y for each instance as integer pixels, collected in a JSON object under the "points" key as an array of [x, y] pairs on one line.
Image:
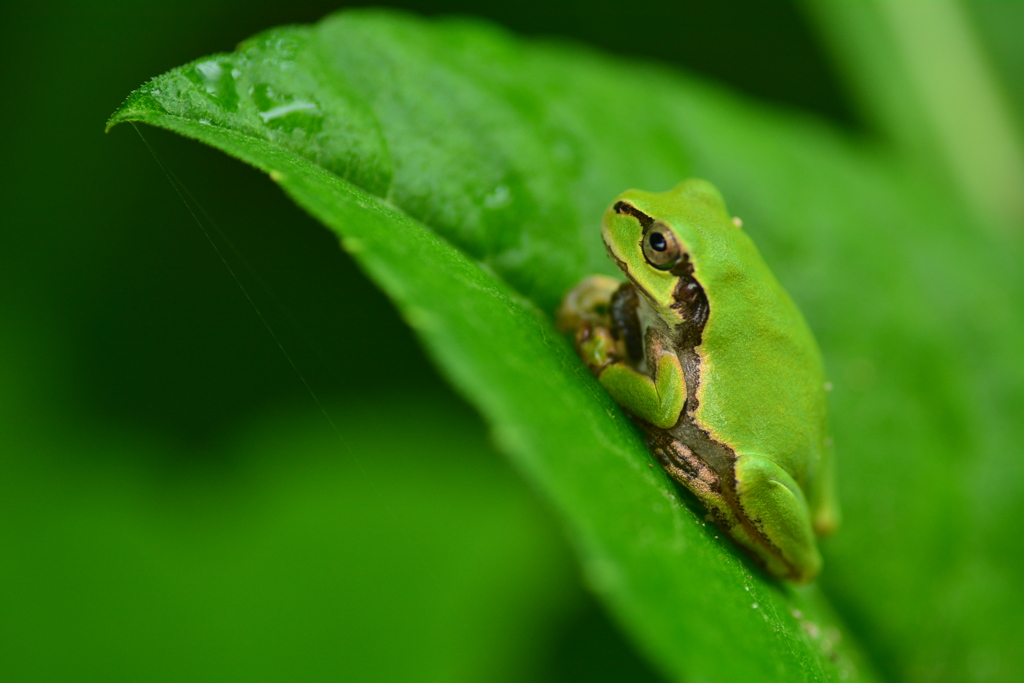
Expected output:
{"points": [[283, 111], [217, 77]]}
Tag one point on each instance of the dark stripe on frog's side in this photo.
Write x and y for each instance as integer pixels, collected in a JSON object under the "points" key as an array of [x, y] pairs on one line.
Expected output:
{"points": [[704, 465], [645, 220], [685, 451], [690, 302]]}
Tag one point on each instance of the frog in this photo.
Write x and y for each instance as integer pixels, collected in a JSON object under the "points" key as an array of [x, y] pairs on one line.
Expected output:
{"points": [[708, 354]]}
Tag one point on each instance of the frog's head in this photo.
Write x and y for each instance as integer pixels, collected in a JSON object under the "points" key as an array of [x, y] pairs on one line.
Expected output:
{"points": [[660, 239]]}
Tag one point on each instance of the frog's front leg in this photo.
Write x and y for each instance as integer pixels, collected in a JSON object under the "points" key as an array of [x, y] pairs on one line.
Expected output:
{"points": [[601, 311], [775, 505], [660, 400]]}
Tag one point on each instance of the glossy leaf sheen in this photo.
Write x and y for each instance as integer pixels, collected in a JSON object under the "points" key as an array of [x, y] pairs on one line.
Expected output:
{"points": [[467, 173]]}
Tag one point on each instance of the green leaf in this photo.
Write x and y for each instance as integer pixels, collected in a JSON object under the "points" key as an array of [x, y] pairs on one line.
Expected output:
{"points": [[467, 171]]}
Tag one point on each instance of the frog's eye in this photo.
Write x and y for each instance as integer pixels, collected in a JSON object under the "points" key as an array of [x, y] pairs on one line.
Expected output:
{"points": [[661, 249]]}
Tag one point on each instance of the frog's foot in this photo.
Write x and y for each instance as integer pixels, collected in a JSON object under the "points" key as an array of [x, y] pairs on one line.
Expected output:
{"points": [[597, 347], [588, 303], [775, 506]]}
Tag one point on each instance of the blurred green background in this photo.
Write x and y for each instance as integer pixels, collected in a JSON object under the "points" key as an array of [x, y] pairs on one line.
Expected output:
{"points": [[174, 504]]}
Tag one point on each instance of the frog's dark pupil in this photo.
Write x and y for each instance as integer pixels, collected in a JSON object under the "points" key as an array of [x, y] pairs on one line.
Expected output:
{"points": [[657, 241]]}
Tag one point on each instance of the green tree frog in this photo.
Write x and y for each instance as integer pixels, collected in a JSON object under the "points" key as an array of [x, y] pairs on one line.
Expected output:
{"points": [[710, 356]]}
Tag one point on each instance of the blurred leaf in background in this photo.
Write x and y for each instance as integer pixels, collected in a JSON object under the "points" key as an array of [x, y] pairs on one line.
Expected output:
{"points": [[286, 563], [179, 507]]}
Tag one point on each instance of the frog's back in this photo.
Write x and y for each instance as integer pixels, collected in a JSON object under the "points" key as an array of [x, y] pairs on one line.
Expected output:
{"points": [[762, 383]]}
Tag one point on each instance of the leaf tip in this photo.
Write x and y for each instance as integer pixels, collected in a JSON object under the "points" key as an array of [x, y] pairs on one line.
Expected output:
{"points": [[137, 106], [117, 117]]}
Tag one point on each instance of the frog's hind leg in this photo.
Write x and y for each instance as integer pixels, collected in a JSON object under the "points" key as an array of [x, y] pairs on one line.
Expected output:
{"points": [[775, 506]]}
